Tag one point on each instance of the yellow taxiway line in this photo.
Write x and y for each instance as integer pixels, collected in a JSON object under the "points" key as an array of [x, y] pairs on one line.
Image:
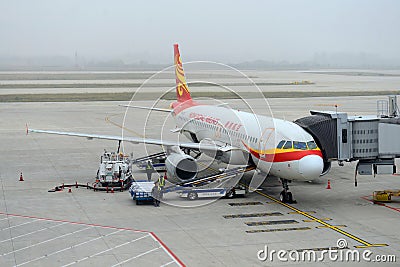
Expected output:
{"points": [[107, 119], [364, 243]]}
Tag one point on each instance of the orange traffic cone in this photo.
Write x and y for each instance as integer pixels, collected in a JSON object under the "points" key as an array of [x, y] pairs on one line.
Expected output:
{"points": [[21, 178], [69, 190], [329, 184], [112, 189]]}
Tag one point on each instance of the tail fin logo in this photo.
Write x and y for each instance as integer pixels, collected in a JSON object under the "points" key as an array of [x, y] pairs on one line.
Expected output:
{"points": [[181, 84]]}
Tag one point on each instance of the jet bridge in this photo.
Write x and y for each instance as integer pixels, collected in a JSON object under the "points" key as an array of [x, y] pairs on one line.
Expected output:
{"points": [[372, 140]]}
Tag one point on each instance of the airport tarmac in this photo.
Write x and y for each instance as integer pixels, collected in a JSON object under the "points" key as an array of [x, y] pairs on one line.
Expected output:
{"points": [[242, 82], [86, 228]]}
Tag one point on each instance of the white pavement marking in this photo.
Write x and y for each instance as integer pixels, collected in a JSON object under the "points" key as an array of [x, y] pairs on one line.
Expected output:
{"points": [[46, 241], [137, 256], [155, 238], [21, 224], [104, 251], [43, 229], [168, 263], [71, 247]]}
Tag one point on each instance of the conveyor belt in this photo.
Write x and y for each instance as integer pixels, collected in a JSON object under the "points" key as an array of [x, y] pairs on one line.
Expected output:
{"points": [[141, 159], [208, 179]]}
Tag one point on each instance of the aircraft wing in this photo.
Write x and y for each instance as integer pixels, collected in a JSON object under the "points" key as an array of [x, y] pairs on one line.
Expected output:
{"points": [[148, 108], [136, 140]]}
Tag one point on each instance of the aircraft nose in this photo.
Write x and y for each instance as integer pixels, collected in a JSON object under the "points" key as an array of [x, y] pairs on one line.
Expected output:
{"points": [[311, 166]]}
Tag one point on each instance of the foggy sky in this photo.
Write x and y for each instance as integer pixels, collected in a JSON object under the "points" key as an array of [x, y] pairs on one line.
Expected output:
{"points": [[225, 31]]}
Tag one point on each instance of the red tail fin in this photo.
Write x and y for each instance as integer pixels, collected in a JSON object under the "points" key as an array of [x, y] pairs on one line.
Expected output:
{"points": [[182, 89]]}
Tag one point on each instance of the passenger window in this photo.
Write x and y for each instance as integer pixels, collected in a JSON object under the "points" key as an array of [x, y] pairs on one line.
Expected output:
{"points": [[299, 145], [311, 145], [288, 145], [281, 143]]}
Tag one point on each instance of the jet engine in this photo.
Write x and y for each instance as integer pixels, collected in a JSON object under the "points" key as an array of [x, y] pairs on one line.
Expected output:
{"points": [[180, 167]]}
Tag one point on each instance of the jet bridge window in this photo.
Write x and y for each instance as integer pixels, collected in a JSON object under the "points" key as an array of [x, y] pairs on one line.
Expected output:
{"points": [[300, 145], [281, 143], [288, 145]]}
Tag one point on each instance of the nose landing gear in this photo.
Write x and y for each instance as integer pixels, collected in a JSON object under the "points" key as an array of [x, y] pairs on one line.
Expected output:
{"points": [[286, 196]]}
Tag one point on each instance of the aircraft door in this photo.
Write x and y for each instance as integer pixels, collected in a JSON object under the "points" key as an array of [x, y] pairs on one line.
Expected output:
{"points": [[266, 142]]}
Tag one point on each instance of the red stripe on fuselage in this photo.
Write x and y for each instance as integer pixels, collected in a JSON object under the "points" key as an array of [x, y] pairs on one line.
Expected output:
{"points": [[295, 155], [285, 156]]}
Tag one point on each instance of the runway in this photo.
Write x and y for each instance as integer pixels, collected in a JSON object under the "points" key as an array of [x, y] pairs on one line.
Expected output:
{"points": [[84, 228]]}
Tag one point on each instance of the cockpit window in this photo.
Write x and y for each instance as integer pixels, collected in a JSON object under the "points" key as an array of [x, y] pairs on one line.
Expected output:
{"points": [[311, 145], [288, 145], [281, 143], [300, 145]]}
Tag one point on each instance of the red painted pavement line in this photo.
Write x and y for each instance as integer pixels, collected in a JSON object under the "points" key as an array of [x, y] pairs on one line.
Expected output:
{"points": [[169, 251], [380, 204]]}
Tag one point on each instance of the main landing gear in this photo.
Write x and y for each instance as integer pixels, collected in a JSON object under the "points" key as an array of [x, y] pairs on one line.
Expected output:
{"points": [[286, 196]]}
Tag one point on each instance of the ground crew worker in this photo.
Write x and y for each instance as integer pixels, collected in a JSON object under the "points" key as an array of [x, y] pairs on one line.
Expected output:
{"points": [[161, 181], [156, 194], [149, 170], [160, 185]]}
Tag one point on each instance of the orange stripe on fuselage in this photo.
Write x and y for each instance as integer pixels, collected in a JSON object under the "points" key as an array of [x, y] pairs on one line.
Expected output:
{"points": [[274, 156]]}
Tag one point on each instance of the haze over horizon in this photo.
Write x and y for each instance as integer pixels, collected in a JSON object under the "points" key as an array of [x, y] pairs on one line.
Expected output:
{"points": [[331, 32]]}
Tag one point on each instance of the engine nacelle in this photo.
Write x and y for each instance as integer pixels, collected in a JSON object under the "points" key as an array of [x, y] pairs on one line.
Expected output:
{"points": [[180, 167], [235, 157]]}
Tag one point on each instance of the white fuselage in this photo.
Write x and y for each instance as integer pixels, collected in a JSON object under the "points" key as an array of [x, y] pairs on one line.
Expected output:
{"points": [[255, 136]]}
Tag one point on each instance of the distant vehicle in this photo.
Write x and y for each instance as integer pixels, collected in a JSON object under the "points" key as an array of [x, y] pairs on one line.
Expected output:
{"points": [[195, 193], [114, 169], [141, 191]]}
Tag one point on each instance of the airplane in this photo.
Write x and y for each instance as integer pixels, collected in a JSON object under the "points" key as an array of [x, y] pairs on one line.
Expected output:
{"points": [[274, 146]]}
